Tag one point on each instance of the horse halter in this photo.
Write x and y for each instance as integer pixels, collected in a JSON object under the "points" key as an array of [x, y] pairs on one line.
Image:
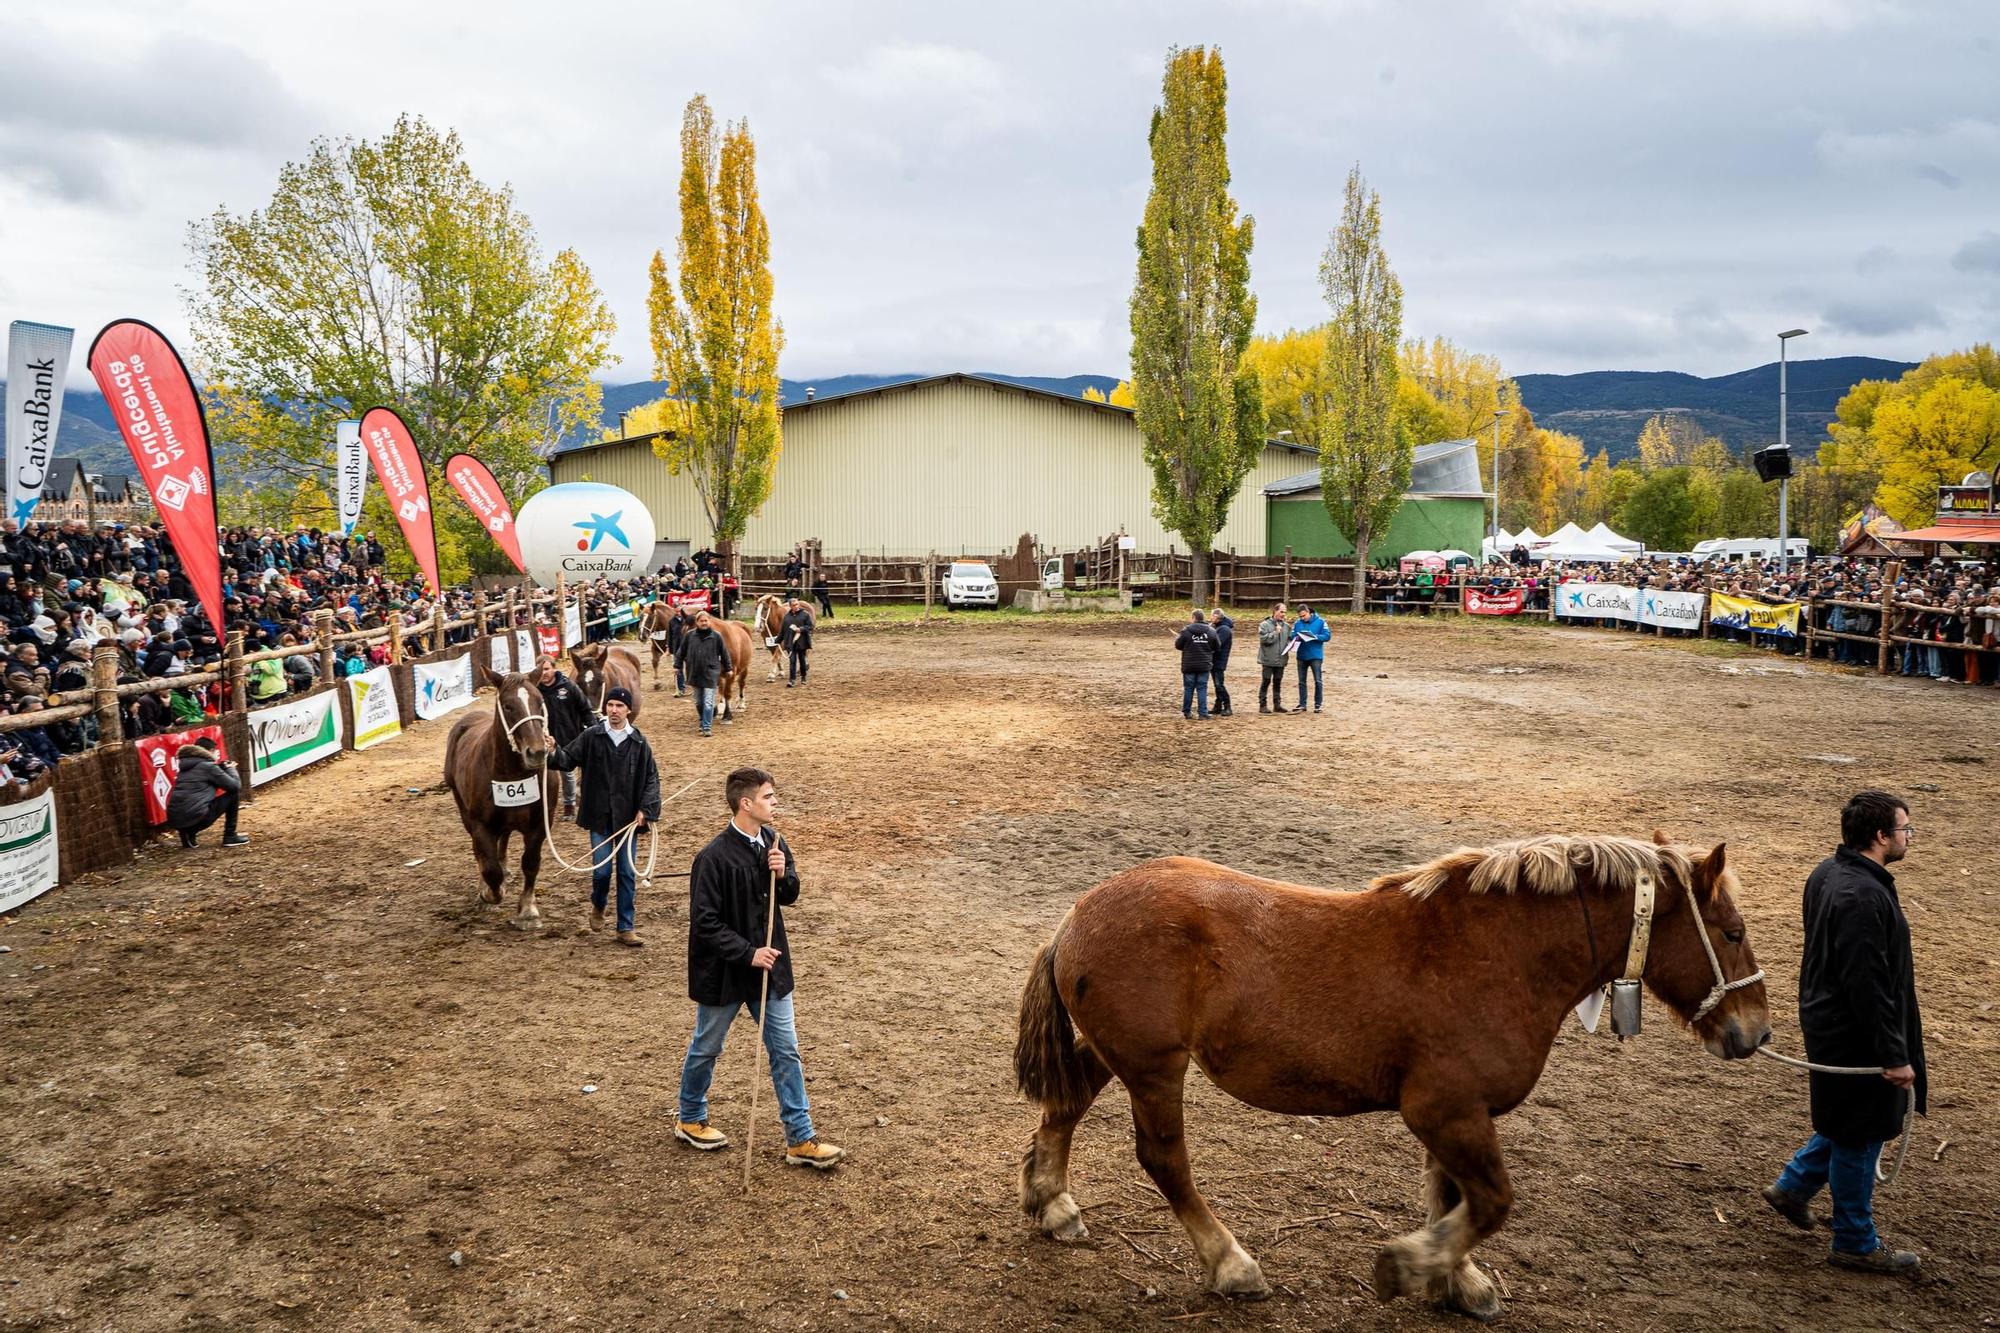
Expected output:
{"points": [[500, 711], [1625, 990]]}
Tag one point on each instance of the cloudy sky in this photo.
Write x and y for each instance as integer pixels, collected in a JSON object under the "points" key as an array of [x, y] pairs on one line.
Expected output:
{"points": [[1569, 184]]}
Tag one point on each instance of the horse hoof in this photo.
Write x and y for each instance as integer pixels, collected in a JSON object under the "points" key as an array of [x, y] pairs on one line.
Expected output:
{"points": [[1239, 1278], [1062, 1220], [526, 923], [1472, 1294], [489, 896], [1484, 1314]]}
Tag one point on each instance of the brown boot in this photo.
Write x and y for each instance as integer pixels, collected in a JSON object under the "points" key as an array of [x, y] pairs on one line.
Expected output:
{"points": [[819, 1156], [597, 918], [630, 939], [569, 809]]}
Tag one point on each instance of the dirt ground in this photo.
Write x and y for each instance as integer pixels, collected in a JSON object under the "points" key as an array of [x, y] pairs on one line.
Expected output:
{"points": [[313, 1084]]}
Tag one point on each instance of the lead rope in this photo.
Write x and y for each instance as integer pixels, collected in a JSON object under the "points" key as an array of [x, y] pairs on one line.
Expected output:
{"points": [[1909, 1106], [612, 849]]}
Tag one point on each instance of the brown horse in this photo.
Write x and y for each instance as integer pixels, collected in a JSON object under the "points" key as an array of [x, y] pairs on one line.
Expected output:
{"points": [[735, 681], [768, 624], [1436, 994], [653, 628], [492, 758], [599, 666]]}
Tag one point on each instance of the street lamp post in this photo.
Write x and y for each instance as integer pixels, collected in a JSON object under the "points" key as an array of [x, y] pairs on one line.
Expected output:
{"points": [[1495, 534], [1784, 482]]}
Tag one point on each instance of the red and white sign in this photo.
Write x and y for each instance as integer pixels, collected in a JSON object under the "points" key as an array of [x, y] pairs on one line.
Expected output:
{"points": [[159, 414], [393, 450], [475, 485], [160, 765], [693, 601], [1510, 603], [550, 638]]}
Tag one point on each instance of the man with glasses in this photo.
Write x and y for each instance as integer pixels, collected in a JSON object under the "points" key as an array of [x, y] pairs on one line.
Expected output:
{"points": [[1857, 1007]]}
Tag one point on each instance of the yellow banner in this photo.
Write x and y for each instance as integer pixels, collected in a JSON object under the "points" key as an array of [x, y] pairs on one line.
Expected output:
{"points": [[1741, 613]]}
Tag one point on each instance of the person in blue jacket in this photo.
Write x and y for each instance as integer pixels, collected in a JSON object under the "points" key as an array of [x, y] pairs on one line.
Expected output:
{"points": [[1310, 633]]}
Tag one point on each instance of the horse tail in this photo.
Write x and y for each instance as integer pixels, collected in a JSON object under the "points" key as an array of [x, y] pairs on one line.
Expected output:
{"points": [[1048, 1067]]}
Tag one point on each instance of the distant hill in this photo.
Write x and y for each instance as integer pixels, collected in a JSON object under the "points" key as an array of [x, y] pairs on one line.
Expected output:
{"points": [[1606, 408]]}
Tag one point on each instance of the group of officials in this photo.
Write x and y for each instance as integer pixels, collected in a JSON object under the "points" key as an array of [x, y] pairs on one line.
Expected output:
{"points": [[1207, 640]]}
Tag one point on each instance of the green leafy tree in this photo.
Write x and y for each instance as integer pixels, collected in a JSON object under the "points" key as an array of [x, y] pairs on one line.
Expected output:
{"points": [[1199, 402], [1660, 510], [383, 272], [716, 345], [1364, 447]]}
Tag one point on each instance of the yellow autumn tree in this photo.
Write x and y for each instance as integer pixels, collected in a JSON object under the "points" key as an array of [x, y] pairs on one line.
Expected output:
{"points": [[716, 342], [1932, 439], [1120, 395]]}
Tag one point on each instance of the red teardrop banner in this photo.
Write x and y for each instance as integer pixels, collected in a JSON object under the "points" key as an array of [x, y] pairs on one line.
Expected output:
{"points": [[400, 467], [476, 485], [159, 413]]}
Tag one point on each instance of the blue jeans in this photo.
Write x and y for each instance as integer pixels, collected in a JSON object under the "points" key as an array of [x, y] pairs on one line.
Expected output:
{"points": [[600, 877], [781, 1043], [1194, 685], [704, 705], [1314, 665], [1848, 1172]]}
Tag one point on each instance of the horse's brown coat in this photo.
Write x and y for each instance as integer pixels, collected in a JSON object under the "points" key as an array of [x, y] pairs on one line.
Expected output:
{"points": [[476, 754], [601, 666], [1436, 994]]}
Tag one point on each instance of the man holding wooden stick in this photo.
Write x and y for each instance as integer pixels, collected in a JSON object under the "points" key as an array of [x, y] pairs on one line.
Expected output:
{"points": [[732, 906]]}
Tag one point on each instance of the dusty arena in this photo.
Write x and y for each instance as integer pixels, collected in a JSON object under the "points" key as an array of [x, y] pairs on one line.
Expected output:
{"points": [[315, 1084]]}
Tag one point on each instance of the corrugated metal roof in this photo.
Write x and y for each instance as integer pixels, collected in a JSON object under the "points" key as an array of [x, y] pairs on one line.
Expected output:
{"points": [[1448, 469]]}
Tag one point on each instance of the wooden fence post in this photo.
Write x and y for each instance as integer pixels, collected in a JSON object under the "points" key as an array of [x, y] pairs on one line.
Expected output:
{"points": [[437, 626], [1888, 606], [395, 639], [508, 610], [1706, 606], [857, 578], [1287, 598], [479, 613], [930, 578], [104, 692], [323, 640], [235, 698]]}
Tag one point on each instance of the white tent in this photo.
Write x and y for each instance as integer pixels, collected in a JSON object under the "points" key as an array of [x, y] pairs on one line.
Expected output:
{"points": [[1604, 536], [1503, 539], [1581, 549], [1568, 533], [1525, 537]]}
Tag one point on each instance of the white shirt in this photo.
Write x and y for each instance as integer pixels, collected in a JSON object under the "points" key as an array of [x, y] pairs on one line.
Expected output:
{"points": [[618, 735], [754, 839]]}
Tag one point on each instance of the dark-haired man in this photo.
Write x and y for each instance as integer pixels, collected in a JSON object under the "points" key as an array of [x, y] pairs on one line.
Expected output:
{"points": [[728, 898], [621, 787], [1857, 1007], [569, 714]]}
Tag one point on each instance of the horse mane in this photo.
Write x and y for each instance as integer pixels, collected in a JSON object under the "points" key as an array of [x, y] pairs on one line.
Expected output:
{"points": [[1553, 863]]}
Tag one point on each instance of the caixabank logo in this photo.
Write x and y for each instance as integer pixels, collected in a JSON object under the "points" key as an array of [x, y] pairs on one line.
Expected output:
{"points": [[583, 531]]}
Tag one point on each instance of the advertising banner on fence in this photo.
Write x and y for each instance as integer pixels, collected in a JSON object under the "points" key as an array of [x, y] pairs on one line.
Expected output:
{"points": [[475, 485], [693, 601], [160, 765], [37, 366], [394, 452], [159, 413], [288, 736], [524, 649], [551, 640], [376, 718], [1675, 610], [621, 615], [1509, 603], [30, 858], [502, 653], [1597, 601], [443, 686], [1738, 613], [572, 625], [351, 467]]}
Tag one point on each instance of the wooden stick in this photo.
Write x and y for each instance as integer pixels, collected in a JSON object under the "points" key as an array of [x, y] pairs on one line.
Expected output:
{"points": [[763, 1012]]}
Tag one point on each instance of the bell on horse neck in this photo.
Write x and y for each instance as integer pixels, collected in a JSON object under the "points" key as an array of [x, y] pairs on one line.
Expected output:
{"points": [[1625, 1008]]}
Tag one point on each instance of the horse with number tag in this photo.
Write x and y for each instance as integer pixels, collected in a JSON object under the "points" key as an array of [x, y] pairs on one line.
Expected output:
{"points": [[1437, 994], [493, 763], [655, 628], [768, 625]]}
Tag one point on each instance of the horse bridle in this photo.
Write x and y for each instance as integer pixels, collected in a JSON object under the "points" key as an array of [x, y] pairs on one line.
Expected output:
{"points": [[500, 711], [1625, 990]]}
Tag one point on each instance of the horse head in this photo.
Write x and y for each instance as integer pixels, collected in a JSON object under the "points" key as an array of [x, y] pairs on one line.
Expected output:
{"points": [[588, 662], [1701, 965], [524, 720]]}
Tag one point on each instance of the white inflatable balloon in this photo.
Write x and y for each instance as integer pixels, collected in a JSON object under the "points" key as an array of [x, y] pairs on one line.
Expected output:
{"points": [[585, 530]]}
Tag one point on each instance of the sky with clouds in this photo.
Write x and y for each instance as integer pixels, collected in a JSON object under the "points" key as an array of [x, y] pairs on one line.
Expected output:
{"points": [[1568, 184]]}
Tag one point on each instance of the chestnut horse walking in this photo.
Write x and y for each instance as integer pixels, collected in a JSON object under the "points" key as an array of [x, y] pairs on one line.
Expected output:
{"points": [[767, 625], [1436, 993], [492, 759], [599, 666], [653, 629], [735, 683]]}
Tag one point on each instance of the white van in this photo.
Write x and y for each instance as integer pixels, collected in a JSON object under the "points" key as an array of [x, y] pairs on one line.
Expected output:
{"points": [[1732, 550]]}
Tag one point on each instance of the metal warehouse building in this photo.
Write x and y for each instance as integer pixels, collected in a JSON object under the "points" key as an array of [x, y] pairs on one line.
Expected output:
{"points": [[950, 463]]}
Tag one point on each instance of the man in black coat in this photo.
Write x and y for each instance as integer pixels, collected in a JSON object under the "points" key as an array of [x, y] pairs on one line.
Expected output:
{"points": [[702, 658], [678, 625], [795, 636], [621, 788], [1857, 1007], [1225, 639], [204, 792], [729, 904], [569, 714], [1197, 644]]}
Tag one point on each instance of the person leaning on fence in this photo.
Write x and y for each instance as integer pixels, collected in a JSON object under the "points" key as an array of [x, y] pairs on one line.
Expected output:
{"points": [[1311, 634], [621, 792], [795, 636], [1273, 631], [821, 594], [1197, 645], [206, 790], [729, 903], [569, 714], [1857, 1008]]}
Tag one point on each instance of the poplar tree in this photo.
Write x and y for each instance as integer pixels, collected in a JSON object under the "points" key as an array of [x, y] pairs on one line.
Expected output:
{"points": [[1199, 405], [1364, 447], [716, 345]]}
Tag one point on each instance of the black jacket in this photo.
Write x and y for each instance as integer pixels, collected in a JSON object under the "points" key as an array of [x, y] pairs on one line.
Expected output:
{"points": [[1858, 999], [1197, 644], [195, 788], [1225, 639], [570, 714], [619, 781], [728, 894], [796, 634], [702, 657]]}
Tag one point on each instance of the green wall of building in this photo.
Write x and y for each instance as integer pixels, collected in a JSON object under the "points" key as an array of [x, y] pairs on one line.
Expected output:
{"points": [[1427, 524]]}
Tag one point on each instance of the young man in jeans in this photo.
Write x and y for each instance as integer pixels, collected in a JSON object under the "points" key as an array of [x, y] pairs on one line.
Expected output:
{"points": [[728, 897], [1197, 644], [702, 657], [1311, 634]]}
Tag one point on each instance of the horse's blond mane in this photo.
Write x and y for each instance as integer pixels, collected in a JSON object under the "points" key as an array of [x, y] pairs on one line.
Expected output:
{"points": [[1551, 864]]}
